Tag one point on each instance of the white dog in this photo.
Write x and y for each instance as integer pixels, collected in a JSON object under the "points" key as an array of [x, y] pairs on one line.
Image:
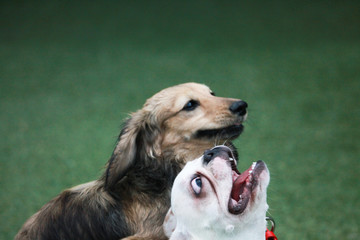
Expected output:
{"points": [[210, 199]]}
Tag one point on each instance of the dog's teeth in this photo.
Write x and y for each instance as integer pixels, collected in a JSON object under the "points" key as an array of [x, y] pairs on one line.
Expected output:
{"points": [[250, 171], [231, 159], [240, 199], [253, 165]]}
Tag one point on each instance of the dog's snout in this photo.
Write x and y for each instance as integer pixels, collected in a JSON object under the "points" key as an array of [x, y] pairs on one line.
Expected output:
{"points": [[221, 151], [239, 108]]}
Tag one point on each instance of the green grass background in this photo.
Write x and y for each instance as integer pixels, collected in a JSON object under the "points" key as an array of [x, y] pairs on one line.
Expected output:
{"points": [[70, 72]]}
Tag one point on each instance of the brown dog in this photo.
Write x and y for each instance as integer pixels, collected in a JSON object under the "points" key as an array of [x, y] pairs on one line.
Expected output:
{"points": [[132, 197]]}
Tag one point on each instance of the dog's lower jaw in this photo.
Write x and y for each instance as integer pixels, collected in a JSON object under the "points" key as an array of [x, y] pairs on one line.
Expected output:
{"points": [[226, 133]]}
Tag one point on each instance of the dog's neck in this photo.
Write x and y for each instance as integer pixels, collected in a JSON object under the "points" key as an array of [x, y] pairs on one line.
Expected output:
{"points": [[250, 226], [247, 231]]}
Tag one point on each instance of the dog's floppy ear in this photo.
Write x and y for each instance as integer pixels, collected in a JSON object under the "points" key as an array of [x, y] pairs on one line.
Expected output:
{"points": [[170, 229], [169, 224], [137, 140]]}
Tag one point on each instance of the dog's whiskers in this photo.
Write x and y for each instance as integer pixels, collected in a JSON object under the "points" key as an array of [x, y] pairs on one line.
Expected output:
{"points": [[216, 140]]}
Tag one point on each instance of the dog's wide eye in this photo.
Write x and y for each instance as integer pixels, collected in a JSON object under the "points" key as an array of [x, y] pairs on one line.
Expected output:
{"points": [[191, 105], [196, 185]]}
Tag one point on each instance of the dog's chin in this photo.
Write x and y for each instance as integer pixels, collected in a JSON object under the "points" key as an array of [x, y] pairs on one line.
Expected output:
{"points": [[245, 188], [226, 133]]}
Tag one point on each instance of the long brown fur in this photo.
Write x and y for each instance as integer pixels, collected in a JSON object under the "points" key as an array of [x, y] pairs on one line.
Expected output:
{"points": [[131, 198]]}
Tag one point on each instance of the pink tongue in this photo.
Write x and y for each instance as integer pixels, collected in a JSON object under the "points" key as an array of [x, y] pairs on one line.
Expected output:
{"points": [[239, 185]]}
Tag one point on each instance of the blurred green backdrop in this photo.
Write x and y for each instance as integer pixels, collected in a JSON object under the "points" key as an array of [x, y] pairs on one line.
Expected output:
{"points": [[71, 71]]}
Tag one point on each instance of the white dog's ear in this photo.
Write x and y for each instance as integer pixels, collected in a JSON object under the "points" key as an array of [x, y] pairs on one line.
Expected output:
{"points": [[169, 223], [138, 140], [170, 230]]}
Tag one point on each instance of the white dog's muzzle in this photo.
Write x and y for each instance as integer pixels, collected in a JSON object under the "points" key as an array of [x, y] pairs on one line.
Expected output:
{"points": [[212, 200]]}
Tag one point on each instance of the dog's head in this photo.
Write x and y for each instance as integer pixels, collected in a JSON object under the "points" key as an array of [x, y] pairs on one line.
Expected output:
{"points": [[178, 123], [211, 200]]}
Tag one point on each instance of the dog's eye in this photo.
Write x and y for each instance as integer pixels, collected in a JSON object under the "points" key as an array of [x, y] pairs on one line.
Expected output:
{"points": [[196, 185], [212, 93], [191, 105]]}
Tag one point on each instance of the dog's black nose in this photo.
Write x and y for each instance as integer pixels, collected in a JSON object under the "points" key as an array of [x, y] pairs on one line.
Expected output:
{"points": [[220, 151], [239, 108]]}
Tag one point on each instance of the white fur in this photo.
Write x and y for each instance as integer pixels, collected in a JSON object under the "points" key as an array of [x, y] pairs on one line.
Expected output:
{"points": [[207, 217]]}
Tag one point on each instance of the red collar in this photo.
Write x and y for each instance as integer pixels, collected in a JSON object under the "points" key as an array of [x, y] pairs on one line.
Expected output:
{"points": [[269, 234]]}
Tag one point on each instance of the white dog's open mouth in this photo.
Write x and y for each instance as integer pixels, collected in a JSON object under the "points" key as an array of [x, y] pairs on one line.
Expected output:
{"points": [[243, 186]]}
